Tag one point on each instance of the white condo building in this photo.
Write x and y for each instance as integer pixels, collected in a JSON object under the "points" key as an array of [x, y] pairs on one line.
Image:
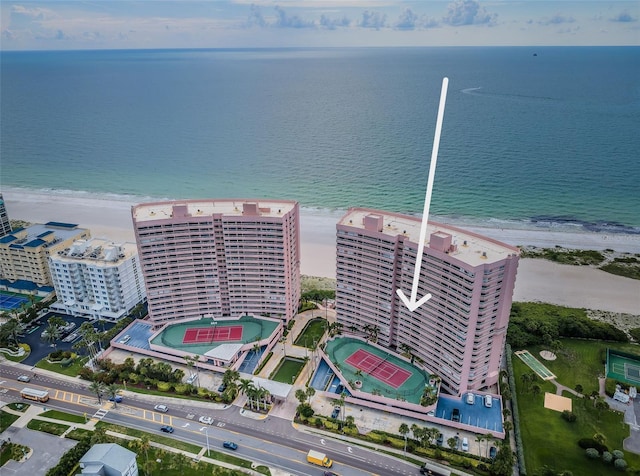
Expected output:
{"points": [[97, 279]]}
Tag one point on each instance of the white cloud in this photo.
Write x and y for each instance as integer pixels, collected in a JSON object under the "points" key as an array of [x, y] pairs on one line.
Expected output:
{"points": [[372, 19], [624, 17], [556, 20], [468, 12]]}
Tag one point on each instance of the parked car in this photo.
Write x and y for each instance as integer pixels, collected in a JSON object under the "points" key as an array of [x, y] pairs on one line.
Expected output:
{"points": [[161, 408], [465, 444], [456, 416], [330, 473], [440, 439], [206, 420], [222, 388], [230, 445], [488, 401], [117, 399], [166, 429], [24, 378], [335, 412], [125, 339], [191, 378], [471, 398], [493, 452]]}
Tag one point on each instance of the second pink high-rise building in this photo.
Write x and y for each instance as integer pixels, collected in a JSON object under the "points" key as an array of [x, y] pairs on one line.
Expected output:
{"points": [[459, 334]]}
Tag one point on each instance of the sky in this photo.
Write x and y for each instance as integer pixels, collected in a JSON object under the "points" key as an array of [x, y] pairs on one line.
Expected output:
{"points": [[144, 24]]}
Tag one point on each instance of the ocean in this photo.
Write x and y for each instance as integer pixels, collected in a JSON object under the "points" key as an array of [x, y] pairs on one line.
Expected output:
{"points": [[544, 138]]}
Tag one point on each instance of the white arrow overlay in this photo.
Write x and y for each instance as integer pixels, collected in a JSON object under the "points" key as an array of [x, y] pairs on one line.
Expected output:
{"points": [[413, 303]]}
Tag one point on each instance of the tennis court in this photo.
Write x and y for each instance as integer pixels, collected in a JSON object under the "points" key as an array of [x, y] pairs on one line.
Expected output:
{"points": [[623, 367], [198, 335], [394, 376], [535, 365], [378, 367], [11, 301]]}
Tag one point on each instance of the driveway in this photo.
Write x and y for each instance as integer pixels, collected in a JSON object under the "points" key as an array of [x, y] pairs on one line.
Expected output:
{"points": [[40, 348], [47, 451]]}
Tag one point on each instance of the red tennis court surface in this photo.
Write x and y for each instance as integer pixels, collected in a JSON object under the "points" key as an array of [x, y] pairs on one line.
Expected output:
{"points": [[198, 335], [378, 367]]}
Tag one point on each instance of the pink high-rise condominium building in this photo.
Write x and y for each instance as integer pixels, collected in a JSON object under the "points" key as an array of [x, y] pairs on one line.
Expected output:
{"points": [[458, 334], [216, 258]]}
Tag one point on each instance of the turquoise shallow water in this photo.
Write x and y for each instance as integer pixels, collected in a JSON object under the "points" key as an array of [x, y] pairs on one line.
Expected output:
{"points": [[542, 141]]}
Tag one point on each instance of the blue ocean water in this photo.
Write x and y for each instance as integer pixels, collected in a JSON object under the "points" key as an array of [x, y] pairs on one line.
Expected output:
{"points": [[539, 137]]}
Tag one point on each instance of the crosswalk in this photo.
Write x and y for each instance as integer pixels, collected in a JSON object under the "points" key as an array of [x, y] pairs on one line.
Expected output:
{"points": [[100, 414]]}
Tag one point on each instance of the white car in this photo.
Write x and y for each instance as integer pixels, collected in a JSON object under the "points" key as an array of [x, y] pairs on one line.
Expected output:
{"points": [[23, 378], [465, 444], [161, 408], [206, 420]]}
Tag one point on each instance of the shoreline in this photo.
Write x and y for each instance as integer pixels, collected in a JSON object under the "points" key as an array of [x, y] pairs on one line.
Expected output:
{"points": [[537, 280]]}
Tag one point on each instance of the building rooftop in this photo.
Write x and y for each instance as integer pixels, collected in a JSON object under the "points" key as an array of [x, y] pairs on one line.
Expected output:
{"points": [[37, 235], [109, 454], [466, 246], [97, 250], [205, 208]]}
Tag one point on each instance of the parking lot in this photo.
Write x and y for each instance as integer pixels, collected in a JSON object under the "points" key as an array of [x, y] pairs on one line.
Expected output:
{"points": [[41, 348]]}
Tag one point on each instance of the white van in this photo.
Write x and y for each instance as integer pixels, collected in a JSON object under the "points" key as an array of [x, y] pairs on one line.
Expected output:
{"points": [[471, 398], [488, 401]]}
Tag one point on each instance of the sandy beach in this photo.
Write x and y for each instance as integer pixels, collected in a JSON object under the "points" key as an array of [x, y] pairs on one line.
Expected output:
{"points": [[538, 280]]}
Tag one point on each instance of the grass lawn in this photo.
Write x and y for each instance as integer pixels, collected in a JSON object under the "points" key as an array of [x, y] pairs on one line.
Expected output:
{"points": [[47, 427], [580, 361], [20, 407], [287, 370], [312, 332], [549, 440], [55, 414], [72, 370], [12, 451], [6, 420]]}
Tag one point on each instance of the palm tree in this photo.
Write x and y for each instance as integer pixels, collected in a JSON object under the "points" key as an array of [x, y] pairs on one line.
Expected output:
{"points": [[488, 437], [52, 334], [113, 390], [535, 389], [98, 388], [310, 393], [452, 443], [142, 445], [230, 376], [479, 440], [301, 395], [404, 430]]}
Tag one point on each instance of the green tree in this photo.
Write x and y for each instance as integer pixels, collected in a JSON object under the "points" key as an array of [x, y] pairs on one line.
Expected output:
{"points": [[404, 431], [310, 393], [98, 388], [452, 443], [503, 464], [301, 395], [113, 391]]}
